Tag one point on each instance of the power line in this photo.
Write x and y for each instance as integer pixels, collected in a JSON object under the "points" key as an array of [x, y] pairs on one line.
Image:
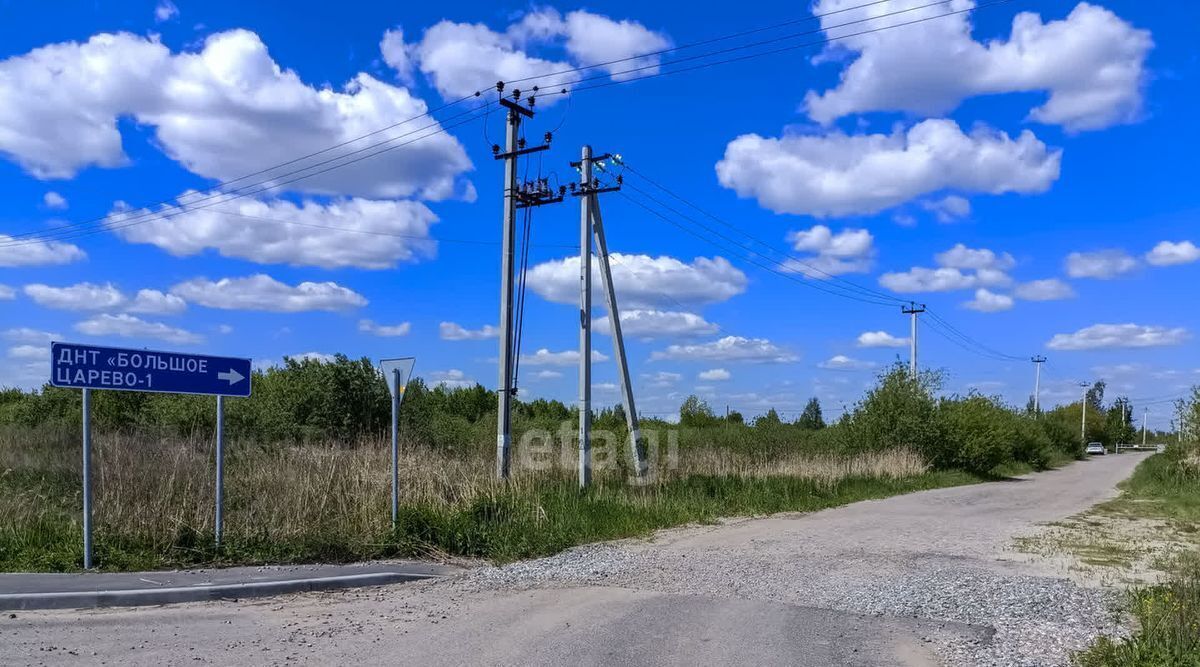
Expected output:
{"points": [[123, 222], [712, 40], [983, 349], [222, 184], [38, 237], [867, 291], [65, 233], [371, 232], [573, 88], [726, 248]]}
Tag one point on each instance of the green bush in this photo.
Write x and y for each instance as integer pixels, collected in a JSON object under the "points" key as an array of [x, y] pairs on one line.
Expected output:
{"points": [[979, 432]]}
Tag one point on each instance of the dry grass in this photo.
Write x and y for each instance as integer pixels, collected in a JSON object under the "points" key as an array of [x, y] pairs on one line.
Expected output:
{"points": [[155, 497], [826, 471]]}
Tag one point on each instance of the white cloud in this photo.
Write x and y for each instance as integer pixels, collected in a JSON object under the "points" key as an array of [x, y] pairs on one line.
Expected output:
{"points": [[661, 379], [1091, 64], [29, 352], [544, 357], [1105, 264], [1168, 253], [656, 324], [642, 281], [547, 375], [960, 267], [32, 252], [54, 201], [362, 233], [880, 339], [222, 112], [369, 327], [83, 296], [128, 326], [592, 39], [397, 54], [90, 296], [1099, 336], [154, 302], [7, 293], [455, 331], [986, 301], [319, 357], [729, 348], [262, 292], [840, 362], [27, 335], [920, 279], [1050, 289], [714, 375], [451, 379], [461, 58], [165, 11], [962, 257], [848, 251], [948, 209], [838, 175]]}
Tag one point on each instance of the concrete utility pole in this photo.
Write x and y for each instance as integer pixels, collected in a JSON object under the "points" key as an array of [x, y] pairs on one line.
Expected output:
{"points": [[592, 224], [585, 320], [1037, 383], [514, 147], [614, 323], [1083, 409], [1145, 418], [913, 309]]}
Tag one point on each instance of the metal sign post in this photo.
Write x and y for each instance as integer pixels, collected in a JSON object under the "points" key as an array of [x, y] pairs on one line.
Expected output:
{"points": [[87, 479], [220, 455], [89, 367], [396, 373]]}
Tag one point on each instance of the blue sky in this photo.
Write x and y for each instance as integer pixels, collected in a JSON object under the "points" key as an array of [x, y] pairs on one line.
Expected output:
{"points": [[1019, 168]]}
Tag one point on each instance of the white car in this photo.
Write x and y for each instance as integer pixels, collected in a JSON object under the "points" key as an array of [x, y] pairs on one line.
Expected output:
{"points": [[1096, 448]]}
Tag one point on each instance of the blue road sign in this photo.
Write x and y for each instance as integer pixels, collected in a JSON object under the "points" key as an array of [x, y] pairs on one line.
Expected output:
{"points": [[95, 367]]}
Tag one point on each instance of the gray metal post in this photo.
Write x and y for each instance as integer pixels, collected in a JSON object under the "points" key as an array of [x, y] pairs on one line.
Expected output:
{"points": [[614, 319], [504, 414], [87, 479], [220, 496], [1145, 418], [585, 321], [396, 448]]}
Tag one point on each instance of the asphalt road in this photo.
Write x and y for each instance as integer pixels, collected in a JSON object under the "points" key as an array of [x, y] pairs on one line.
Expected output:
{"points": [[922, 579]]}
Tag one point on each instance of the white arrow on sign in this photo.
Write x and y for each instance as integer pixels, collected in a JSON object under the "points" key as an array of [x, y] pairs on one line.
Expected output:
{"points": [[232, 376]]}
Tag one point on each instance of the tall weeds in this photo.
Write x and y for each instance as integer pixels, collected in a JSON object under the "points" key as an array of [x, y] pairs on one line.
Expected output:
{"points": [[154, 498]]}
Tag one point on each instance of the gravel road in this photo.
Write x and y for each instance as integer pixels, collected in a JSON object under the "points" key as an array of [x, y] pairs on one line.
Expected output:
{"points": [[923, 579]]}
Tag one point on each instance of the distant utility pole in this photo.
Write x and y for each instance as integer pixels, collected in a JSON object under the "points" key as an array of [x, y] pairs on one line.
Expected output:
{"points": [[1037, 383], [913, 309], [592, 226], [1145, 418], [1083, 409], [514, 147]]}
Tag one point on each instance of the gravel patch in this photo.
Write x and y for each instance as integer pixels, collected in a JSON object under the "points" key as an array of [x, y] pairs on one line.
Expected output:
{"points": [[1033, 620]]}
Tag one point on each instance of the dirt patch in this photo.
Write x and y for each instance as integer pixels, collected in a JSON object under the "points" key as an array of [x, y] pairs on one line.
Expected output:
{"points": [[1108, 546]]}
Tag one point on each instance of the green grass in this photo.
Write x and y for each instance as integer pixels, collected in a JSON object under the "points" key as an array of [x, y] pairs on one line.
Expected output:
{"points": [[526, 521], [1164, 486]]}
